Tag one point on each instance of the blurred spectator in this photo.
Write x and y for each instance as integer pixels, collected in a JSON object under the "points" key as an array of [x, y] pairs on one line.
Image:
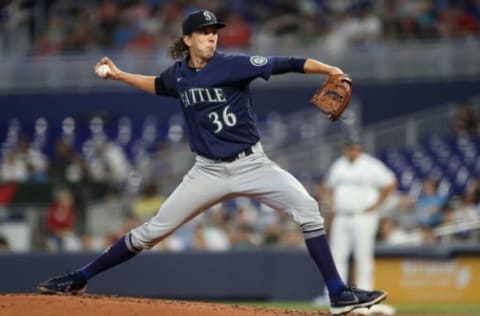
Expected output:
{"points": [[37, 162], [4, 245], [360, 27], [7, 193], [214, 231], [148, 203], [65, 166], [272, 231], [455, 22], [403, 20], [93, 243], [107, 14], [272, 235], [472, 7], [365, 26], [157, 166], [467, 209], [465, 120], [15, 25], [324, 198], [389, 233], [199, 242], [427, 236], [291, 236], [51, 40], [60, 220], [107, 162], [281, 25], [426, 19], [56, 27], [125, 223], [166, 21], [428, 206], [79, 37], [106, 217], [238, 33], [125, 32], [241, 237], [473, 190], [13, 167], [459, 213], [187, 237], [169, 163]]}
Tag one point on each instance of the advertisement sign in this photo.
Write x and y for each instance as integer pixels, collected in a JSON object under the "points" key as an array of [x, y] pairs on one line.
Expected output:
{"points": [[429, 281]]}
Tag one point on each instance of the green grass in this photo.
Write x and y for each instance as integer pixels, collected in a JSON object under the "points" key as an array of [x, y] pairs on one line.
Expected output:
{"points": [[438, 307], [293, 305], [471, 308]]}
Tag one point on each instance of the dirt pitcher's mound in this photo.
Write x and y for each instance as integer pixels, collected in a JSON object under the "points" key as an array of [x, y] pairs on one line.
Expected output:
{"points": [[68, 305]]}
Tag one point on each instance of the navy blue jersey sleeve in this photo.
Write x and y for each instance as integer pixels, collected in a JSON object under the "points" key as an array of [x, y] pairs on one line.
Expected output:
{"points": [[244, 67], [281, 65], [165, 83]]}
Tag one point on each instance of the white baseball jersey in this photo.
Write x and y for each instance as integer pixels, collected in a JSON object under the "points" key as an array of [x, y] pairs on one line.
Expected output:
{"points": [[356, 184]]}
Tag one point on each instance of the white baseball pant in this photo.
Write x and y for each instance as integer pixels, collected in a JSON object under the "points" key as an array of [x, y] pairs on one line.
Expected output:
{"points": [[209, 182]]}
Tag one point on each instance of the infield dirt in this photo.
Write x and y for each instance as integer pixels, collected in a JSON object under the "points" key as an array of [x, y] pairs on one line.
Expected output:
{"points": [[68, 305], [102, 305]]}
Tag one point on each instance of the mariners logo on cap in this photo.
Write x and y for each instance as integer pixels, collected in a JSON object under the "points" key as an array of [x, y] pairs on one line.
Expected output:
{"points": [[199, 19], [258, 60], [208, 16]]}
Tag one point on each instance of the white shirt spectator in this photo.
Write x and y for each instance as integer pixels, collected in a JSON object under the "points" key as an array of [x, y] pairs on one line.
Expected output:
{"points": [[13, 168]]}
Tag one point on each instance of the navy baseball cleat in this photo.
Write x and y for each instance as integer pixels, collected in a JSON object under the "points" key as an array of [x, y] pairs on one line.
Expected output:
{"points": [[72, 283], [352, 298]]}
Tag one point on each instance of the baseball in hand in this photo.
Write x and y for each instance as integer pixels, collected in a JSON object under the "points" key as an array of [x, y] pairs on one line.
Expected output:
{"points": [[103, 70]]}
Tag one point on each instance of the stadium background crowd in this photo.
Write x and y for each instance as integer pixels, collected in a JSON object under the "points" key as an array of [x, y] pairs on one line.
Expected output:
{"points": [[106, 185], [62, 26]]}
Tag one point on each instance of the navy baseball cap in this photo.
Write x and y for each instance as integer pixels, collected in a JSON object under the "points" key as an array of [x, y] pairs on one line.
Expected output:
{"points": [[199, 19]]}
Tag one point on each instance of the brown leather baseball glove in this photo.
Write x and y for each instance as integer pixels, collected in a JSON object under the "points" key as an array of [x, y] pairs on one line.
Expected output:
{"points": [[333, 97]]}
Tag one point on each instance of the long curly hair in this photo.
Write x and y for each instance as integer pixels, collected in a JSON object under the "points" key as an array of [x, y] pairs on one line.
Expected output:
{"points": [[178, 49]]}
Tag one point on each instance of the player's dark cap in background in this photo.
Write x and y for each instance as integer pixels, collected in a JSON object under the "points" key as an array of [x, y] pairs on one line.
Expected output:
{"points": [[352, 139], [199, 19]]}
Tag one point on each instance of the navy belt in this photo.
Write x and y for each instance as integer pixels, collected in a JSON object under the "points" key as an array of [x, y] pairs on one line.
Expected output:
{"points": [[244, 153]]}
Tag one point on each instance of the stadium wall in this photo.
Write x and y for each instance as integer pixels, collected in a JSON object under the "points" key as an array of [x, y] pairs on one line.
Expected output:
{"points": [[410, 275], [380, 101], [237, 275]]}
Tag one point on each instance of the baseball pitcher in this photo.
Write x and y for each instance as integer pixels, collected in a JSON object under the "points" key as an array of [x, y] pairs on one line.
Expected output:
{"points": [[213, 91]]}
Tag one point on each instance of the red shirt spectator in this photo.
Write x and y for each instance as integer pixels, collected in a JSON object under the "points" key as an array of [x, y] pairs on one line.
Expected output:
{"points": [[60, 215], [237, 34], [455, 22]]}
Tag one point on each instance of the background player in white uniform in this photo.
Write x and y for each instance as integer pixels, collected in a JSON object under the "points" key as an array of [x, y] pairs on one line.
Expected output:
{"points": [[213, 91], [359, 184]]}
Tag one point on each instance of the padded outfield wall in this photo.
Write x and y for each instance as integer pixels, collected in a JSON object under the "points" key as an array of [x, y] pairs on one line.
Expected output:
{"points": [[380, 101], [410, 275]]}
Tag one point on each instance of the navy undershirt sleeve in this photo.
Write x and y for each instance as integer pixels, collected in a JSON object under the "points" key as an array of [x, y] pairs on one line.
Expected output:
{"points": [[165, 83], [281, 65], [160, 88]]}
